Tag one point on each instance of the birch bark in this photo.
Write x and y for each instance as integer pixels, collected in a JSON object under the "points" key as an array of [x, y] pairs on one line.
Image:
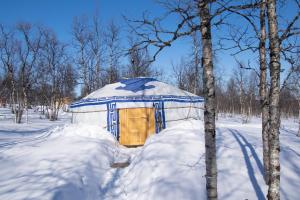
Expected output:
{"points": [[274, 146], [263, 90], [209, 95]]}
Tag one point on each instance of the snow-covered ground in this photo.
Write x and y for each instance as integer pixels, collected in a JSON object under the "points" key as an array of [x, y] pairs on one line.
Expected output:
{"points": [[59, 160]]}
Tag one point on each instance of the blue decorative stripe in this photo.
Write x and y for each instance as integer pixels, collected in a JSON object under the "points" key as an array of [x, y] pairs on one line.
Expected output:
{"points": [[125, 99], [113, 119], [136, 84], [107, 119], [163, 115], [118, 127], [160, 121]]}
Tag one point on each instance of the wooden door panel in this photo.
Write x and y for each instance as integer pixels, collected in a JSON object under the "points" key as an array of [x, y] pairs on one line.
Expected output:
{"points": [[136, 124]]}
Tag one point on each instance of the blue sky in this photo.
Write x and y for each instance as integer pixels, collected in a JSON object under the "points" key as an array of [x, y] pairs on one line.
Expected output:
{"points": [[58, 15]]}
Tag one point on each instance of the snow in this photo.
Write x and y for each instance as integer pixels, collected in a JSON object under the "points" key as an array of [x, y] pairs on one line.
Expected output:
{"points": [[169, 166], [138, 86], [59, 160]]}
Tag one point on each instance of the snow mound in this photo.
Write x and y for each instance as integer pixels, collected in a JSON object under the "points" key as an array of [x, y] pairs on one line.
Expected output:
{"points": [[69, 164], [79, 130], [169, 166]]}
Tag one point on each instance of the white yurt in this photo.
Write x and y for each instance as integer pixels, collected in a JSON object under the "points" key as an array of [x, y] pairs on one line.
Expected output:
{"points": [[133, 109]]}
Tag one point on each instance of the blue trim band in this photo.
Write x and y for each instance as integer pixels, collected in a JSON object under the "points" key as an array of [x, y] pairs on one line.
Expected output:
{"points": [[118, 126], [125, 99], [107, 119], [163, 114]]}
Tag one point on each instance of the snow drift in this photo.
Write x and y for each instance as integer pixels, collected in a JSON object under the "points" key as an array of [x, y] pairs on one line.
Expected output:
{"points": [[69, 164]]}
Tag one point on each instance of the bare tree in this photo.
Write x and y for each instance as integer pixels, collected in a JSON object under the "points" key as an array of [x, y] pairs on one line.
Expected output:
{"points": [[275, 66], [232, 95], [179, 71], [196, 63], [81, 35], [209, 96], [57, 77], [9, 59], [187, 71], [28, 51], [139, 61], [96, 42], [185, 75], [90, 54], [263, 89], [112, 41], [240, 80], [245, 39], [293, 84]]}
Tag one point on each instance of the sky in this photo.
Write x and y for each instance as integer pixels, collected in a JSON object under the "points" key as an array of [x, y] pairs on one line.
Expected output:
{"points": [[58, 15]]}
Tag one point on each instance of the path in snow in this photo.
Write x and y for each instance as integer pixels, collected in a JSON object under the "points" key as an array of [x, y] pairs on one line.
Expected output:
{"points": [[37, 128]]}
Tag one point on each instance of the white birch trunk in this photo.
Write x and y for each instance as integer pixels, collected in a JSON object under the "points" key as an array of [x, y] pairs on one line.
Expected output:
{"points": [[263, 91], [274, 146], [209, 103], [298, 120]]}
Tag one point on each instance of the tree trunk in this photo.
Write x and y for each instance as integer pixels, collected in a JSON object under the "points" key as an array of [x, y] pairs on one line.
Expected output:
{"points": [[263, 90], [52, 114], [25, 103], [196, 63], [274, 146], [18, 115], [209, 103], [298, 119]]}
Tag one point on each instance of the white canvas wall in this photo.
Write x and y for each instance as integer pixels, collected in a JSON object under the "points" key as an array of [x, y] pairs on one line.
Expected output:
{"points": [[92, 118], [174, 111]]}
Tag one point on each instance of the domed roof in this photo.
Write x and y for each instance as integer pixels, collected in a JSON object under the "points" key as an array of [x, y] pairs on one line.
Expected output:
{"points": [[140, 89]]}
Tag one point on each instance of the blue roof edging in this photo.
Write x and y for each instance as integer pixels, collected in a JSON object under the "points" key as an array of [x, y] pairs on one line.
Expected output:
{"points": [[127, 99]]}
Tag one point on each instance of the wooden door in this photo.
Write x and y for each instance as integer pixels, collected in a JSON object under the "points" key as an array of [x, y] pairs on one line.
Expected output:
{"points": [[136, 124]]}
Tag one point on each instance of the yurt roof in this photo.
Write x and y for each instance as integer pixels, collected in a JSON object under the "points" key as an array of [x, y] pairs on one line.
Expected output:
{"points": [[137, 89]]}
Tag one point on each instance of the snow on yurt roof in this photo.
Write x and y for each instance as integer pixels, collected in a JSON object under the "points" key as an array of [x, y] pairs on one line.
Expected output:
{"points": [[138, 86], [137, 89]]}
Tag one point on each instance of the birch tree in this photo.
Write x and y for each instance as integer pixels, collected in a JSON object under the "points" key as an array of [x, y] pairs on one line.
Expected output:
{"points": [[275, 66], [8, 44], [28, 51], [96, 43], [139, 61], [81, 36], [209, 96], [112, 42], [244, 40], [240, 80], [196, 57], [185, 75], [56, 75], [294, 86], [188, 70]]}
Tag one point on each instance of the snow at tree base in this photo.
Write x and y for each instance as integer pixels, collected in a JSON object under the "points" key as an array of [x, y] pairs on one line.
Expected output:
{"points": [[46, 160]]}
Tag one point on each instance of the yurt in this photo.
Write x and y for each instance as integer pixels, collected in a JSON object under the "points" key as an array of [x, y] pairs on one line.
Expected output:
{"points": [[136, 108]]}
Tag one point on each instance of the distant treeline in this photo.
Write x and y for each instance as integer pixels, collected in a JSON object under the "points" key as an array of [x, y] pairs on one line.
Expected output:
{"points": [[37, 68]]}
